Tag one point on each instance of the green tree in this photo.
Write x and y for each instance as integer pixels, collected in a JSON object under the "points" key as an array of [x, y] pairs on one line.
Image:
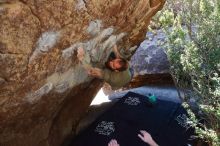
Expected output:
{"points": [[193, 47]]}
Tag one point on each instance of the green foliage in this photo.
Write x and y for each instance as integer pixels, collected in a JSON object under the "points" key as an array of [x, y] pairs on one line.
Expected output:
{"points": [[193, 48]]}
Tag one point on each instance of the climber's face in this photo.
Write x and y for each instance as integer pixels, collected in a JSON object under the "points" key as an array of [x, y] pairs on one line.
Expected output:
{"points": [[115, 64]]}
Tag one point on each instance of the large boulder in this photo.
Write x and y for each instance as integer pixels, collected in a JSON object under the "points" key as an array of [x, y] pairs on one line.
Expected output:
{"points": [[42, 84], [150, 57], [150, 62]]}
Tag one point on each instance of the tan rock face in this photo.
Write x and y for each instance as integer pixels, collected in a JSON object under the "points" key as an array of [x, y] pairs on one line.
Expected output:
{"points": [[42, 84]]}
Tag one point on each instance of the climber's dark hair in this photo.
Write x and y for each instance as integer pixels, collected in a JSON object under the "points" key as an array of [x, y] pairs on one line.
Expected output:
{"points": [[122, 62]]}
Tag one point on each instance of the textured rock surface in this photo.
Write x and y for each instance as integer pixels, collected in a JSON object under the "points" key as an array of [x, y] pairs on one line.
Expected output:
{"points": [[150, 62], [42, 85], [150, 57]]}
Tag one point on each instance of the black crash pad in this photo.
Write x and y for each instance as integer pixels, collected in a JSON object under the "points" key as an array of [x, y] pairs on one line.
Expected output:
{"points": [[165, 121]]}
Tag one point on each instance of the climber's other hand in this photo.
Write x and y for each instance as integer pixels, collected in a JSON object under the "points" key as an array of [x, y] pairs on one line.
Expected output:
{"points": [[95, 72], [80, 54]]}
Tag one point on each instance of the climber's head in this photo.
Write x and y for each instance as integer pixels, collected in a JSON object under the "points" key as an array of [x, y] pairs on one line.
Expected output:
{"points": [[117, 64]]}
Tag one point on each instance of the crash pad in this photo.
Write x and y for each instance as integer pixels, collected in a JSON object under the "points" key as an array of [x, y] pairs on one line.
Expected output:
{"points": [[166, 121]]}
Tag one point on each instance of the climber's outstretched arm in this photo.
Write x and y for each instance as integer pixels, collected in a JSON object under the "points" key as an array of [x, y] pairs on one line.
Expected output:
{"points": [[84, 58], [115, 50], [80, 54]]}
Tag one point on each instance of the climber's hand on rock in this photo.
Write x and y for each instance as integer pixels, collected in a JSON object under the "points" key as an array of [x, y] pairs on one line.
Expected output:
{"points": [[80, 54], [95, 72]]}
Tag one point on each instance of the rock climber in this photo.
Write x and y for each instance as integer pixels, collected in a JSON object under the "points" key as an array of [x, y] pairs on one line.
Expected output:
{"points": [[116, 71]]}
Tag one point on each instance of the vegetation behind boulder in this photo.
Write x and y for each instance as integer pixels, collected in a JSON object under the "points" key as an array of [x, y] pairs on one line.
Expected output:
{"points": [[193, 47]]}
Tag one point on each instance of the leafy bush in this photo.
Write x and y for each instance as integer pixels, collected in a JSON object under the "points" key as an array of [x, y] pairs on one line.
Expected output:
{"points": [[193, 47]]}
